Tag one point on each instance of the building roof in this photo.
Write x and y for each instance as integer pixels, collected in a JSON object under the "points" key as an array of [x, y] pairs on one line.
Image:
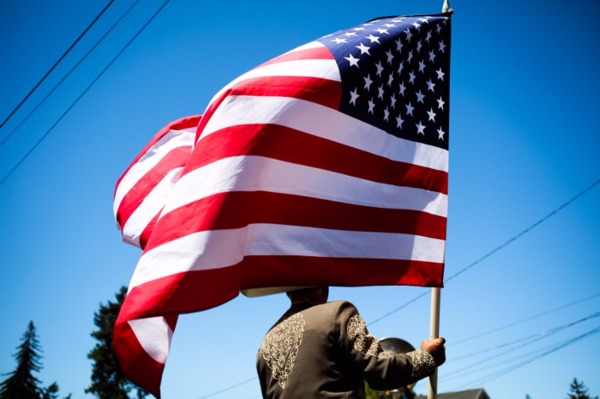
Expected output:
{"points": [[469, 394]]}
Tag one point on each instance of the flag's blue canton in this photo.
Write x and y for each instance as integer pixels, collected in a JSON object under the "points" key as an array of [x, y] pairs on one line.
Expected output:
{"points": [[395, 75]]}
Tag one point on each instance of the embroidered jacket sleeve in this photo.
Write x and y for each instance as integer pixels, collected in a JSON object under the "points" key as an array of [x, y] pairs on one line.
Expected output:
{"points": [[380, 369], [326, 351]]}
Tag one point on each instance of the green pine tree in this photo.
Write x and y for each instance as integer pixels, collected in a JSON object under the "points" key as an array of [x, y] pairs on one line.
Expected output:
{"points": [[579, 391], [108, 380], [51, 392], [21, 383]]}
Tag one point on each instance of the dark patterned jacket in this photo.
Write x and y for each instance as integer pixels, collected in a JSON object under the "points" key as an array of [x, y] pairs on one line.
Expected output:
{"points": [[325, 351]]}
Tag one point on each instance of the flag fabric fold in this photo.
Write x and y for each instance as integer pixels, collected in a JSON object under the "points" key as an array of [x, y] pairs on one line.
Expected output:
{"points": [[327, 165]]}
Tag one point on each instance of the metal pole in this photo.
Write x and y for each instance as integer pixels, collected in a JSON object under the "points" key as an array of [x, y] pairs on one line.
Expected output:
{"points": [[434, 332], [446, 7]]}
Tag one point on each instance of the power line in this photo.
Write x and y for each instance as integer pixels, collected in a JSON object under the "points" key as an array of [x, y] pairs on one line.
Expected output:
{"points": [[56, 63], [421, 295], [527, 230], [83, 93], [525, 320], [69, 73], [537, 356], [229, 388], [498, 248], [528, 341]]}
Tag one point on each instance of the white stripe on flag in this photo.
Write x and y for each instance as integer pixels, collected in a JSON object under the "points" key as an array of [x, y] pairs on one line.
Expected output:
{"points": [[154, 334], [152, 204], [306, 46], [312, 68], [326, 123], [173, 139], [222, 248], [254, 173]]}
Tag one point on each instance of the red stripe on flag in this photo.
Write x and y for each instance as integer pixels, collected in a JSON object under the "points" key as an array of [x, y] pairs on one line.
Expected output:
{"points": [[137, 194], [142, 369], [317, 52], [147, 232], [201, 290], [263, 271], [204, 289], [230, 210], [179, 124], [290, 145], [321, 91]]}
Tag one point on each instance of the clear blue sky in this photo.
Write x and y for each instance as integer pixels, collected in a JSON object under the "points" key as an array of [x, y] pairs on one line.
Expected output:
{"points": [[524, 141]]}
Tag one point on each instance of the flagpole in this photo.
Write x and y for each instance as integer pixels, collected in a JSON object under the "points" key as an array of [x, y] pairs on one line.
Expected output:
{"points": [[434, 327], [446, 7], [434, 332]]}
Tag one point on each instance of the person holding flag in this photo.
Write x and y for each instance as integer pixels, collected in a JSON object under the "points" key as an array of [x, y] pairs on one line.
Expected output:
{"points": [[321, 349]]}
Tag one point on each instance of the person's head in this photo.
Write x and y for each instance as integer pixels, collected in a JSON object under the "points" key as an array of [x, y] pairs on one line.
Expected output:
{"points": [[312, 295]]}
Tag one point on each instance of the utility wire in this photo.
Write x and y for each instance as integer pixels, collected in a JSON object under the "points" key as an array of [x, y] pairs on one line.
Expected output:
{"points": [[498, 248], [527, 230], [525, 320], [228, 388], [537, 356], [528, 341], [421, 295], [69, 73], [56, 63], [82, 94]]}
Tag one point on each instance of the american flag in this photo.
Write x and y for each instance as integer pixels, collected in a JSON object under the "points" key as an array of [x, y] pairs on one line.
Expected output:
{"points": [[327, 165]]}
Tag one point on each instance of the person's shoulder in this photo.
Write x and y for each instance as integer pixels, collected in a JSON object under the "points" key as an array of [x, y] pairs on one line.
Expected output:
{"points": [[340, 305]]}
